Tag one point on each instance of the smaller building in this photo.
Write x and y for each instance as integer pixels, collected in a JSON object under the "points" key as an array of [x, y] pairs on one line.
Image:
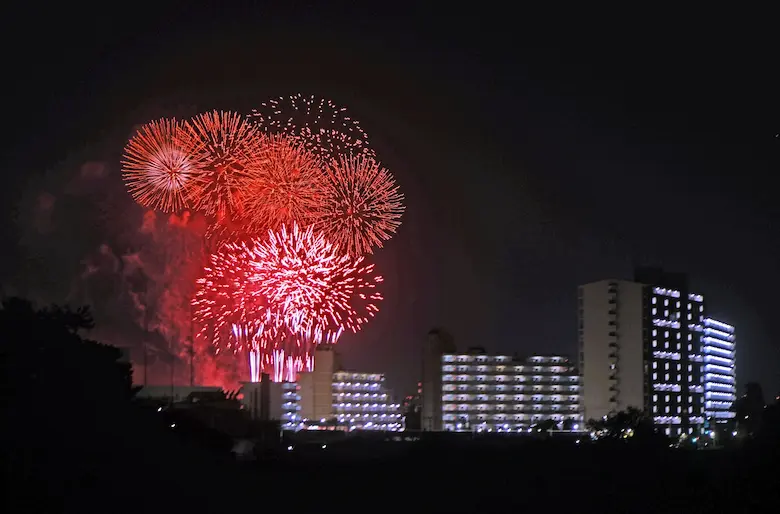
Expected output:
{"points": [[329, 398], [501, 393], [361, 401]]}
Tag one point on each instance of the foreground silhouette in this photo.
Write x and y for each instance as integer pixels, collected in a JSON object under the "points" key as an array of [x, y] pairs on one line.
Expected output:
{"points": [[75, 441]]}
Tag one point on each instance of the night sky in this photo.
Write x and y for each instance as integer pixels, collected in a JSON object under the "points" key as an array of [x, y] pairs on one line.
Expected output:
{"points": [[535, 155]]}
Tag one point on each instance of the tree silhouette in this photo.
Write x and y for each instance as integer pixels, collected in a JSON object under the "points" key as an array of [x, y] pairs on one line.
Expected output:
{"points": [[46, 364]]}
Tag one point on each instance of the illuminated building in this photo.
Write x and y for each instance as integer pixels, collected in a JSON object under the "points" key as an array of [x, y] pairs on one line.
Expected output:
{"points": [[718, 347], [478, 392], [329, 398], [642, 345]]}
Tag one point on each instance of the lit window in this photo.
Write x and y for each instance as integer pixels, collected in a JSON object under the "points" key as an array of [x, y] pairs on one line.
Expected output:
{"points": [[655, 332], [689, 306], [679, 377], [655, 376], [678, 347], [655, 343], [679, 409], [654, 300], [666, 409], [666, 377], [690, 367], [655, 408], [690, 378], [666, 334], [655, 397], [655, 364], [678, 305], [701, 308], [666, 301], [655, 311], [666, 314], [666, 365], [678, 335], [690, 317], [666, 398], [678, 367], [690, 337], [690, 347], [690, 399], [679, 398]]}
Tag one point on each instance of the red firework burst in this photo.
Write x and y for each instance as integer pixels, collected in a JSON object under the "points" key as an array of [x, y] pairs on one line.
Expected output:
{"points": [[226, 302], [287, 186], [226, 149], [157, 169], [362, 206], [314, 284], [324, 128]]}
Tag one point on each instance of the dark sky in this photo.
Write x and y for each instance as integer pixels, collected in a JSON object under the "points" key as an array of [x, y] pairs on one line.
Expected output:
{"points": [[535, 155]]}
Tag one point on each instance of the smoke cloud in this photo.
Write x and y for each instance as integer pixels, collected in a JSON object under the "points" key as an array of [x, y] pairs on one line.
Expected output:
{"points": [[83, 241]]}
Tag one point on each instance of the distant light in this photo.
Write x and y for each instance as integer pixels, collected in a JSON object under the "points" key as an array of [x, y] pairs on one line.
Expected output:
{"points": [[173, 425], [577, 441], [576, 427], [289, 448], [324, 446], [159, 409], [734, 433]]}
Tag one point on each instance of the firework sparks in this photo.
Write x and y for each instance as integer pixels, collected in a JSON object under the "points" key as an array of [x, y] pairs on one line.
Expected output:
{"points": [[226, 149], [288, 186], [314, 284], [229, 311], [362, 206], [157, 169], [324, 128]]}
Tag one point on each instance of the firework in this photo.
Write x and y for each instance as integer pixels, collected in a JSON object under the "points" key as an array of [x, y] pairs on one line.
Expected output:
{"points": [[324, 128], [362, 205], [231, 313], [158, 171], [288, 186], [313, 284], [226, 150]]}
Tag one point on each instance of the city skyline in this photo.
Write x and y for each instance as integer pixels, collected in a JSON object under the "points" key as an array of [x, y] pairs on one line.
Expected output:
{"points": [[528, 169]]}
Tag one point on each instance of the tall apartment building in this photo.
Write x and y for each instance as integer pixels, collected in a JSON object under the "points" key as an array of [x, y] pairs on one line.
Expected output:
{"points": [[642, 344], [500, 393]]}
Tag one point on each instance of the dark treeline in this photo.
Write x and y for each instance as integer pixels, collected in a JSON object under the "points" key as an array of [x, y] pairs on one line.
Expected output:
{"points": [[74, 440]]}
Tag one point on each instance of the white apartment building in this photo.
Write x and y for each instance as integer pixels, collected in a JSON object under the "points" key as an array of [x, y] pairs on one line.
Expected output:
{"points": [[644, 344], [500, 393], [341, 400]]}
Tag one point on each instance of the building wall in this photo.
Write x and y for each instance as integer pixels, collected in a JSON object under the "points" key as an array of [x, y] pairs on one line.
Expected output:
{"points": [[316, 397], [611, 334], [437, 343]]}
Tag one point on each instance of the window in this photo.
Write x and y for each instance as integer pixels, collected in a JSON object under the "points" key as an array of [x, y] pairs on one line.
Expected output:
{"points": [[690, 367], [655, 397], [690, 378], [666, 398], [655, 343], [654, 300], [690, 347], [679, 377], [655, 376], [690, 337], [666, 365], [655, 332], [655, 364], [666, 301], [655, 311], [666, 377], [666, 334]]}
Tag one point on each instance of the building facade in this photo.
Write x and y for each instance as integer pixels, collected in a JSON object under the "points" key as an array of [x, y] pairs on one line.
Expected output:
{"points": [[501, 393], [333, 399], [642, 344], [720, 370]]}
